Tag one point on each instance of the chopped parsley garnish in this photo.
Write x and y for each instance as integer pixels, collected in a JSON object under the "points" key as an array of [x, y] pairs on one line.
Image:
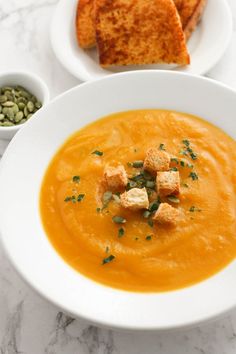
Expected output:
{"points": [[76, 179], [193, 209], [108, 259], [162, 147], [150, 184], [174, 159], [193, 175], [173, 199], [182, 163], [70, 199], [97, 152], [148, 238], [118, 219], [185, 185], [150, 223], [121, 232], [137, 164], [98, 210], [107, 249], [154, 206], [174, 169], [80, 197], [186, 142], [136, 238]]}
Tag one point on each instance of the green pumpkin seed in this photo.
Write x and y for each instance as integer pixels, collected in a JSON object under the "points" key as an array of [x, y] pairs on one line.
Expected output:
{"points": [[0, 109], [8, 104], [6, 88], [2, 116], [23, 121], [15, 108], [7, 124], [25, 94], [38, 104], [5, 111], [29, 116], [19, 116], [26, 112], [3, 98], [21, 106], [30, 106], [22, 99], [10, 114]]}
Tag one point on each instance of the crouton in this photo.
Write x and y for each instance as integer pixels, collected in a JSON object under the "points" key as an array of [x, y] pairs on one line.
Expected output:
{"points": [[116, 177], [85, 24], [135, 199], [168, 183], [156, 160], [190, 12], [138, 32], [166, 214]]}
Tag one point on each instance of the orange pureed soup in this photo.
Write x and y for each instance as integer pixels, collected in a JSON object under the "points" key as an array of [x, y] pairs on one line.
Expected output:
{"points": [[142, 255]]}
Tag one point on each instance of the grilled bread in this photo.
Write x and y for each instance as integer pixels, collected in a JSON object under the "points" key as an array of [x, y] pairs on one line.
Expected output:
{"points": [[139, 32], [85, 24], [190, 12]]}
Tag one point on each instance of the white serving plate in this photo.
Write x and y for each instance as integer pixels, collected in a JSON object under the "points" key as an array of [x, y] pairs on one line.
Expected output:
{"points": [[207, 44], [23, 167]]}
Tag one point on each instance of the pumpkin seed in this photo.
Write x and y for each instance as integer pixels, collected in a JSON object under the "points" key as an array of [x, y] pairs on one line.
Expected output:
{"points": [[15, 108], [30, 106], [17, 105], [8, 104], [21, 106], [3, 98], [19, 116]]}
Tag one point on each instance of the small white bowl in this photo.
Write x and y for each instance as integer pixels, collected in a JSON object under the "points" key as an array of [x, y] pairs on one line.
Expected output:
{"points": [[33, 83]]}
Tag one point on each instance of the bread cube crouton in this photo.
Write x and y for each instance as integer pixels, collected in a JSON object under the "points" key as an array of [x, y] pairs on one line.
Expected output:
{"points": [[116, 177], [168, 183], [166, 214], [135, 199], [156, 160]]}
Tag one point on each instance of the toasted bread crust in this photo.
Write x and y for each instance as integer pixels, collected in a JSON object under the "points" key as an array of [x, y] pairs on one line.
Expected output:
{"points": [[139, 32], [190, 12], [166, 214], [85, 29]]}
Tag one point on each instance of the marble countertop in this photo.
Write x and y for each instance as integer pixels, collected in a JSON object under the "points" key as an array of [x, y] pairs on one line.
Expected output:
{"points": [[28, 323]]}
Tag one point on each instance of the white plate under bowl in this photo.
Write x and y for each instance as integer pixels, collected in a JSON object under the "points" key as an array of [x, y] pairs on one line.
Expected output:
{"points": [[206, 46], [23, 167]]}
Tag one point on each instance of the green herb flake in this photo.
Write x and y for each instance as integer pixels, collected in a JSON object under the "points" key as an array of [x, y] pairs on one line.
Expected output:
{"points": [[76, 179], [136, 238], [97, 152], [118, 219], [154, 206], [174, 169], [107, 249], [137, 164], [150, 223], [80, 197], [174, 159], [193, 156], [185, 185], [98, 210], [121, 232], [182, 163], [193, 209], [173, 199], [70, 199], [162, 147], [150, 184], [186, 142], [108, 259], [148, 238], [193, 175]]}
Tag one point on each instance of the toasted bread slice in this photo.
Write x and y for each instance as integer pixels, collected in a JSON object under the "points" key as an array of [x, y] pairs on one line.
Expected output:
{"points": [[85, 23], [190, 12], [139, 32]]}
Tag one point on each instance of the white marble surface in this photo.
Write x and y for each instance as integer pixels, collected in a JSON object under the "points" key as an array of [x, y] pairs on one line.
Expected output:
{"points": [[28, 323]]}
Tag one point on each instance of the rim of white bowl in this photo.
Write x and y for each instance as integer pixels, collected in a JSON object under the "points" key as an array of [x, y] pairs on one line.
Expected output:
{"points": [[103, 322]]}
